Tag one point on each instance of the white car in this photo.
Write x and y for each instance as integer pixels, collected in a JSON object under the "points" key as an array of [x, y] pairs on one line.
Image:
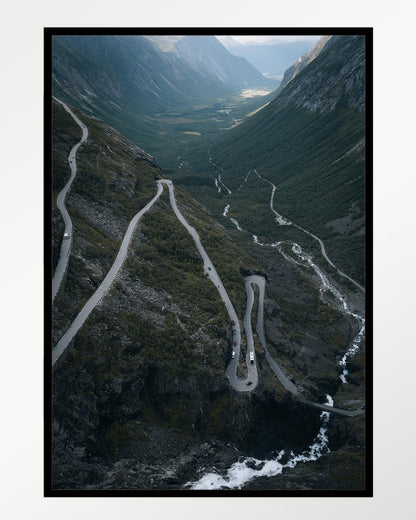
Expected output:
{"points": [[233, 354], [66, 235]]}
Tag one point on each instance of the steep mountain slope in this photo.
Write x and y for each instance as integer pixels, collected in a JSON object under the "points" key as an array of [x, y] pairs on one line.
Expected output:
{"points": [[309, 141], [141, 402], [150, 94], [132, 67], [228, 42], [155, 331], [208, 55], [305, 59], [272, 58]]}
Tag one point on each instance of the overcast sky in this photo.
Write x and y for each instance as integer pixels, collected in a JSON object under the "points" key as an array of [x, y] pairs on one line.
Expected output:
{"points": [[273, 39]]}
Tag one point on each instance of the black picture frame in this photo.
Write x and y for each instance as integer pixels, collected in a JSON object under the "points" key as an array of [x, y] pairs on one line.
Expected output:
{"points": [[49, 32]]}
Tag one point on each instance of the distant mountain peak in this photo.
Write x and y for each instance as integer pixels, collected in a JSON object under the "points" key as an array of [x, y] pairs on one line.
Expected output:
{"points": [[304, 60], [335, 74], [273, 56], [228, 42], [208, 55]]}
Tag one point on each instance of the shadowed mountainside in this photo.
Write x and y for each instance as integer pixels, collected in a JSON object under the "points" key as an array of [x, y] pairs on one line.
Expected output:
{"points": [[310, 142]]}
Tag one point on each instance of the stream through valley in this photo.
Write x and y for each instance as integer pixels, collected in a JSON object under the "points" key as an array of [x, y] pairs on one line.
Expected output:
{"points": [[245, 469]]}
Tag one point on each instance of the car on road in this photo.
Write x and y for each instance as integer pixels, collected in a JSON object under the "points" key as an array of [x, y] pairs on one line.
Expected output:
{"points": [[249, 383], [228, 379], [233, 323], [235, 343], [233, 354], [66, 235], [251, 357]]}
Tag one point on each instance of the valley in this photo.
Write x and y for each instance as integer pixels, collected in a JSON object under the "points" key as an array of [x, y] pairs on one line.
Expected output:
{"points": [[166, 374], [178, 134]]}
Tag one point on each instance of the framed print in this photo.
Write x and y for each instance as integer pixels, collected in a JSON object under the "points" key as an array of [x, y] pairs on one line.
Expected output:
{"points": [[208, 262]]}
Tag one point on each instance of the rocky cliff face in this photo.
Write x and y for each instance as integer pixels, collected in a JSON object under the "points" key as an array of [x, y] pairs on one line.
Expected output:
{"points": [[205, 53], [334, 76], [304, 60]]}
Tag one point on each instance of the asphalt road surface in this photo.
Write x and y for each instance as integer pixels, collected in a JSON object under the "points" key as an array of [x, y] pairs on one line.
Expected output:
{"points": [[105, 285], [285, 381], [245, 385], [282, 220], [62, 265], [209, 269], [242, 385], [328, 260]]}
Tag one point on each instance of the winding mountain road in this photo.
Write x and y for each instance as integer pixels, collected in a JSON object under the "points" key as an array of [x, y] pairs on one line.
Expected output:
{"points": [[66, 246], [209, 270], [285, 381], [251, 381], [283, 221], [242, 385], [328, 260], [105, 285]]}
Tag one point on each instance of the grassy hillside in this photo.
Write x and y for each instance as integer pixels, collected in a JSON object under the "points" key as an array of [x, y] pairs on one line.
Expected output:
{"points": [[309, 141]]}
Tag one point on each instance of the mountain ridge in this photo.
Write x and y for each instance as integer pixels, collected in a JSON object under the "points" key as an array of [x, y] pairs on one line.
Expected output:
{"points": [[272, 58], [309, 140], [304, 60]]}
